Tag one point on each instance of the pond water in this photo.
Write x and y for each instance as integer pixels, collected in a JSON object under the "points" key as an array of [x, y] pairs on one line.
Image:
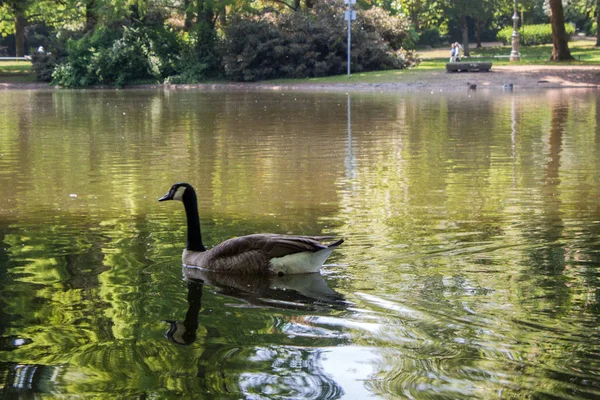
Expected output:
{"points": [[471, 266]]}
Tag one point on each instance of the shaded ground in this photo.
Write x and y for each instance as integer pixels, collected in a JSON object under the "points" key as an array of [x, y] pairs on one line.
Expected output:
{"points": [[521, 76]]}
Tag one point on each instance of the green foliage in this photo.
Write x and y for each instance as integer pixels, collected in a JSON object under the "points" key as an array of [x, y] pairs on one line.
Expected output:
{"points": [[116, 57], [312, 43], [43, 66], [531, 35], [591, 28], [430, 37], [396, 31], [199, 59]]}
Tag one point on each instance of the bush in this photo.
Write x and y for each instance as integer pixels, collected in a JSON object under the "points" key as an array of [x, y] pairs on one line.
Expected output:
{"points": [[397, 31], [313, 43], [43, 65], [531, 35], [198, 59], [116, 57]]}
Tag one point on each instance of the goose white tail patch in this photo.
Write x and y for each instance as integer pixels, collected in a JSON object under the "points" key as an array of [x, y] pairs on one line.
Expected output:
{"points": [[300, 263], [179, 193]]}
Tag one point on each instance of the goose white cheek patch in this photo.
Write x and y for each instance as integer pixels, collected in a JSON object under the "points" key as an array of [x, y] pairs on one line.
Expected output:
{"points": [[179, 193]]}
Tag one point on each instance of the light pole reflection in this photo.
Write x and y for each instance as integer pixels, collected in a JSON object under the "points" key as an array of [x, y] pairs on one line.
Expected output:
{"points": [[350, 159]]}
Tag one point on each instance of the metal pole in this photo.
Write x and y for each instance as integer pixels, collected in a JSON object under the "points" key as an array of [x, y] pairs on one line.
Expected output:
{"points": [[349, 15], [514, 54], [349, 35]]}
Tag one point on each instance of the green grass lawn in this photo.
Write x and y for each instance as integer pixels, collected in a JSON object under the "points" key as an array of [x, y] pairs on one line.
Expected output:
{"points": [[583, 51], [16, 72]]}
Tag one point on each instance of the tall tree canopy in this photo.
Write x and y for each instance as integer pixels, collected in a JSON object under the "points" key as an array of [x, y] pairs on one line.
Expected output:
{"points": [[16, 15]]}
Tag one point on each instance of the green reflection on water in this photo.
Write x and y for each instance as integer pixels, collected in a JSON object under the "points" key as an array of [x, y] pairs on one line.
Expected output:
{"points": [[470, 267]]}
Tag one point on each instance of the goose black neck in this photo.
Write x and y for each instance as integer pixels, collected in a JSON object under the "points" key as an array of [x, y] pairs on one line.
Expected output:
{"points": [[194, 237]]}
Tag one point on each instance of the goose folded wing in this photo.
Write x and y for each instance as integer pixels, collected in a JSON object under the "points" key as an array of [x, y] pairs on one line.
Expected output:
{"points": [[282, 246], [269, 245]]}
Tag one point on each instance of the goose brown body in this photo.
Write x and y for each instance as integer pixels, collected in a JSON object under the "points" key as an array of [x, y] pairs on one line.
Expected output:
{"points": [[252, 254]]}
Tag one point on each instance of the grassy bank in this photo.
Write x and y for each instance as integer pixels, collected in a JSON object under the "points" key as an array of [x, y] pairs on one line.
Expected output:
{"points": [[16, 72], [583, 50]]}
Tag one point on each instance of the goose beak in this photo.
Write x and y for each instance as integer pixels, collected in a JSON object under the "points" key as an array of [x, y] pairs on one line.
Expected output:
{"points": [[166, 197]]}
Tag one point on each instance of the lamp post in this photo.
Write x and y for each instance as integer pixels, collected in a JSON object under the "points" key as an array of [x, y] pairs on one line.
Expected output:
{"points": [[514, 54]]}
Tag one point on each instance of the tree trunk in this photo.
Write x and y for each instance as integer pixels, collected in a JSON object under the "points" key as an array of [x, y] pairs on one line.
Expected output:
{"points": [[206, 12], [223, 17], [20, 23], [560, 48], [310, 4], [189, 15], [478, 24], [414, 16], [597, 22], [91, 16], [464, 27]]}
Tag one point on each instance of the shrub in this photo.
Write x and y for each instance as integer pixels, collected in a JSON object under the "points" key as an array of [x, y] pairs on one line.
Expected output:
{"points": [[116, 57], [397, 31], [312, 43], [198, 59], [254, 49], [531, 35], [43, 65]]}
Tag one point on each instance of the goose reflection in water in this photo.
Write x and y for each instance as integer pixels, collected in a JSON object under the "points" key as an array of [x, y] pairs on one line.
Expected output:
{"points": [[306, 292]]}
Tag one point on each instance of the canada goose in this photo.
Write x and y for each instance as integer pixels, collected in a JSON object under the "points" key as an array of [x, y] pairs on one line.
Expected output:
{"points": [[252, 254]]}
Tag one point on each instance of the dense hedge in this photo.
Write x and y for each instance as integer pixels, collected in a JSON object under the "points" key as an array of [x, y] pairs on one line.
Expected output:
{"points": [[313, 43], [116, 57], [531, 35]]}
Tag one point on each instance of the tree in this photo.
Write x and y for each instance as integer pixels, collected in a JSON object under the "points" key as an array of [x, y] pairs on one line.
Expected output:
{"points": [[91, 15], [17, 15], [14, 10], [460, 10], [416, 10], [484, 12], [597, 23], [584, 13], [560, 48]]}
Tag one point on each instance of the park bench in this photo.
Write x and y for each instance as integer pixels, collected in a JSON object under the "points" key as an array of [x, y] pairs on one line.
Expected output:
{"points": [[468, 66], [26, 58]]}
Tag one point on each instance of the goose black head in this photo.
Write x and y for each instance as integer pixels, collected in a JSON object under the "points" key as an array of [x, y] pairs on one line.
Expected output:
{"points": [[177, 192]]}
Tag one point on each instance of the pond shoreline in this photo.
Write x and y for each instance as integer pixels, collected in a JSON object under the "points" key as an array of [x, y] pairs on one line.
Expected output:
{"points": [[520, 76]]}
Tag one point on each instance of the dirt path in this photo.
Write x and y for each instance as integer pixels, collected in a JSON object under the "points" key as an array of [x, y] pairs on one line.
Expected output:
{"points": [[520, 76]]}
